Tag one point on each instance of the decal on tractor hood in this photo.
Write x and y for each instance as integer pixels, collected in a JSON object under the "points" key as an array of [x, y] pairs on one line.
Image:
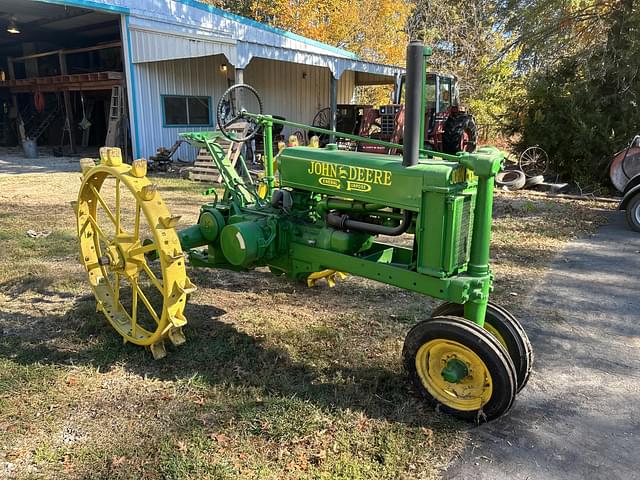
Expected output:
{"points": [[349, 177]]}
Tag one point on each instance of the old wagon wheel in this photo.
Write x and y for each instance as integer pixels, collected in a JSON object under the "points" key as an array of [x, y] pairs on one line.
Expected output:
{"points": [[534, 161], [322, 119]]}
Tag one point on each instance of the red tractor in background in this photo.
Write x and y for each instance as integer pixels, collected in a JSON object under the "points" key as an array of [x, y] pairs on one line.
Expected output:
{"points": [[449, 127]]}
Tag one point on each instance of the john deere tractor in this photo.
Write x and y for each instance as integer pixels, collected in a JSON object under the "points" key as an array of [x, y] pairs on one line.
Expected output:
{"points": [[320, 213]]}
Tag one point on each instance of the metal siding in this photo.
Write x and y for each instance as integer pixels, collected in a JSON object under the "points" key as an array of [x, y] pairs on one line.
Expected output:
{"points": [[148, 46], [346, 87], [285, 92], [197, 76], [186, 17]]}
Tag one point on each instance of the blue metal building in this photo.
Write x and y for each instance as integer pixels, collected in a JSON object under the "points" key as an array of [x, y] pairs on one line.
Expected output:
{"points": [[178, 57]]}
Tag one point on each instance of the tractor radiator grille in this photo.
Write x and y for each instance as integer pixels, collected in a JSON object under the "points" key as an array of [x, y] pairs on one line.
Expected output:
{"points": [[466, 226]]}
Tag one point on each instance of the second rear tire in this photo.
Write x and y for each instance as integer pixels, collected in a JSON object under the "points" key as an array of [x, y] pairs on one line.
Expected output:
{"points": [[633, 213]]}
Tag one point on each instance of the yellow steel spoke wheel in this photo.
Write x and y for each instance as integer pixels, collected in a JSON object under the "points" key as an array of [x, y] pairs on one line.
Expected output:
{"points": [[460, 368], [503, 325], [131, 251]]}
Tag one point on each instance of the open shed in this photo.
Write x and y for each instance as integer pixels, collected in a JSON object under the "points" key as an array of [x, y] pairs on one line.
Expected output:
{"points": [[142, 71]]}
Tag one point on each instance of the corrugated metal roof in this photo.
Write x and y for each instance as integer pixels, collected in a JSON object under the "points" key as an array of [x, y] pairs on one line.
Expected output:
{"points": [[268, 28], [184, 18]]}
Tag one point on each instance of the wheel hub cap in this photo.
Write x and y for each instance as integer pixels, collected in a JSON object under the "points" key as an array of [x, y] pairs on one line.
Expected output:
{"points": [[123, 256], [454, 374], [454, 371]]}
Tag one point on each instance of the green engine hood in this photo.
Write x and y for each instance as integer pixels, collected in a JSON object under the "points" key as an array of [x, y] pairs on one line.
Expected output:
{"points": [[372, 178]]}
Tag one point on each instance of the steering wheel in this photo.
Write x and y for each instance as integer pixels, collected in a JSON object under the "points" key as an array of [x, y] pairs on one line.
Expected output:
{"points": [[231, 108]]}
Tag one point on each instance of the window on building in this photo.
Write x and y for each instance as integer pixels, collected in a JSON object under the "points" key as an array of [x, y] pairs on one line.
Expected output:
{"points": [[184, 111]]}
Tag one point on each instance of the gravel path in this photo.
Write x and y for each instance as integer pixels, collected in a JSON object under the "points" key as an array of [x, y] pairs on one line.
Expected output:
{"points": [[579, 416]]}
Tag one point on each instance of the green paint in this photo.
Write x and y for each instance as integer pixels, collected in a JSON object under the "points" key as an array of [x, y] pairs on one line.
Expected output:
{"points": [[234, 185], [268, 153], [454, 371], [423, 101], [451, 218]]}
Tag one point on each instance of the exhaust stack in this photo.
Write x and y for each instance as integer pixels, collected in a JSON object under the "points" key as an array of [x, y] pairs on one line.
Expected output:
{"points": [[413, 107]]}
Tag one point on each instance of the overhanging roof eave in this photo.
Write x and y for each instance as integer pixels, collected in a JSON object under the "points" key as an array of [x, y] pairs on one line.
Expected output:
{"points": [[338, 65]]}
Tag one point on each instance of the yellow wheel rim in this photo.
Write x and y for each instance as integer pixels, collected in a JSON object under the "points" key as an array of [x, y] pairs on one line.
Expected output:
{"points": [[492, 330], [471, 393], [262, 190], [118, 209]]}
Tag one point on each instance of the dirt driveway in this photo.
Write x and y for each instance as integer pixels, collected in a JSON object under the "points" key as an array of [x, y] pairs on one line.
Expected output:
{"points": [[579, 417]]}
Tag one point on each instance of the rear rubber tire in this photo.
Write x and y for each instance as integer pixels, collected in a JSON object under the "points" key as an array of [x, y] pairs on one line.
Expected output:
{"points": [[633, 213], [513, 335], [454, 129], [475, 339]]}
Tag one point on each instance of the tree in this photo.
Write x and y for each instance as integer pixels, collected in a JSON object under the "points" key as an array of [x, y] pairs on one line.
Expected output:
{"points": [[468, 39], [242, 7], [547, 31], [372, 29], [583, 106]]}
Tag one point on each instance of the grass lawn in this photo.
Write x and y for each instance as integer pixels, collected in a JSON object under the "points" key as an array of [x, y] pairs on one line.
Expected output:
{"points": [[276, 381]]}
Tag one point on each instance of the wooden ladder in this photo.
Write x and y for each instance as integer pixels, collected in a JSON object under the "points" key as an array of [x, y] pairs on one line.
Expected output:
{"points": [[115, 117]]}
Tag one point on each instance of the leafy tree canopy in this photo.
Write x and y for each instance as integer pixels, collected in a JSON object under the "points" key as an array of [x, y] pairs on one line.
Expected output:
{"points": [[564, 74]]}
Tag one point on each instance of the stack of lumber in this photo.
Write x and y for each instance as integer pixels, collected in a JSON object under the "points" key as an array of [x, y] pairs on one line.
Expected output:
{"points": [[204, 168]]}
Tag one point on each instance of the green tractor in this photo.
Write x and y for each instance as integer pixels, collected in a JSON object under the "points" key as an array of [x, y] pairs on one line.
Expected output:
{"points": [[321, 212]]}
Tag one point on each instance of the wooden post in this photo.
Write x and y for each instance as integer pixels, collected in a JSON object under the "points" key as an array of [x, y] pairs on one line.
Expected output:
{"points": [[238, 100], [333, 101], [67, 105], [14, 101]]}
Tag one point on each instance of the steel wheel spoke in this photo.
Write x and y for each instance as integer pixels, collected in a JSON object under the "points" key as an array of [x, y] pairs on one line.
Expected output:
{"points": [[104, 206], [153, 277], [233, 120], [134, 306], [136, 229], [99, 234], [84, 227], [145, 301], [99, 231], [144, 249]]}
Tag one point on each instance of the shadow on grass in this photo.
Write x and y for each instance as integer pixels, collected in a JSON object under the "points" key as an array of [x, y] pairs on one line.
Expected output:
{"points": [[219, 355]]}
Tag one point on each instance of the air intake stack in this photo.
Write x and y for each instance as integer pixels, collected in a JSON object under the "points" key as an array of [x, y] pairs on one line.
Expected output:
{"points": [[413, 104]]}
